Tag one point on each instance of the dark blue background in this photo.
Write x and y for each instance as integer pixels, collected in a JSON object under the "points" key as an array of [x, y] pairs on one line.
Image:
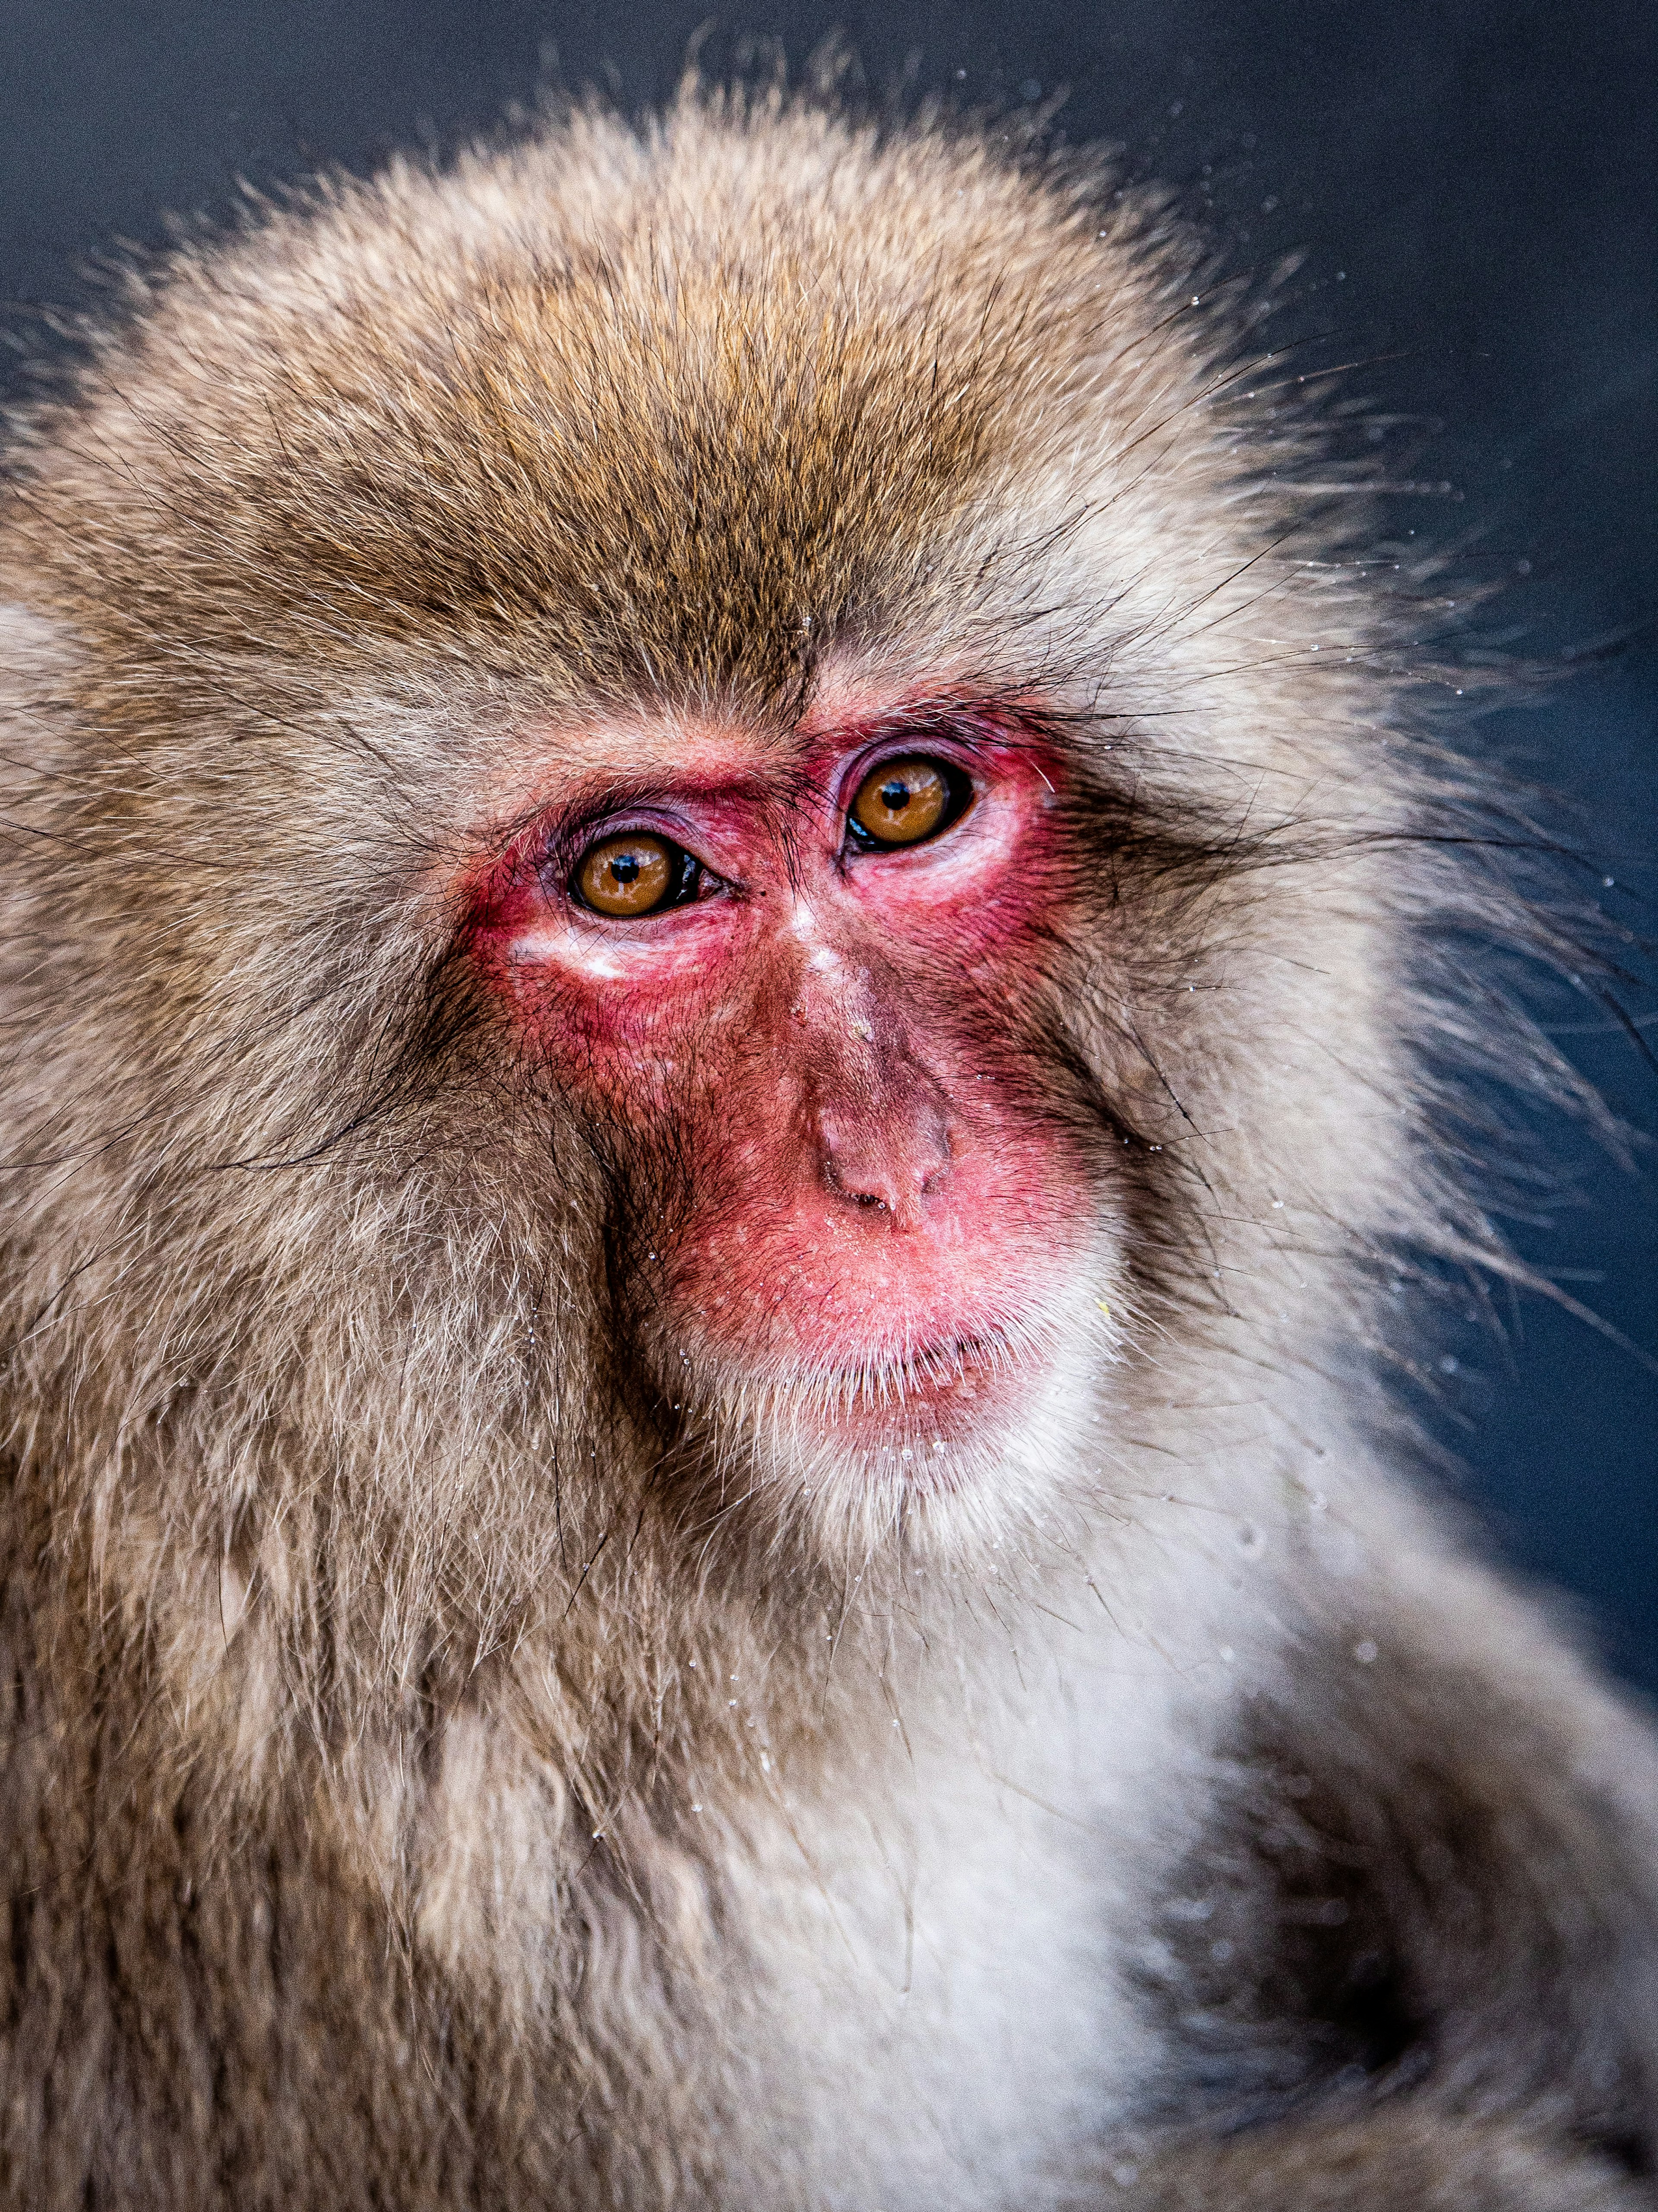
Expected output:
{"points": [[1477, 187]]}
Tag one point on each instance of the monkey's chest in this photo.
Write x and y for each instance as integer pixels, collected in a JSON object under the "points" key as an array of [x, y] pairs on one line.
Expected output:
{"points": [[941, 2018]]}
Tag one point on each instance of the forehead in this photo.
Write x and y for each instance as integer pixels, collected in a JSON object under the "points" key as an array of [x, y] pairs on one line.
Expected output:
{"points": [[672, 439]]}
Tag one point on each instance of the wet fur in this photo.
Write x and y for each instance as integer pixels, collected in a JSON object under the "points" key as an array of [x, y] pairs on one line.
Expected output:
{"points": [[442, 1769]]}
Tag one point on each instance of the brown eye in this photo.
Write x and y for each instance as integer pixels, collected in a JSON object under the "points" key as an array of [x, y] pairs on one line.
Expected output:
{"points": [[903, 800], [632, 874]]}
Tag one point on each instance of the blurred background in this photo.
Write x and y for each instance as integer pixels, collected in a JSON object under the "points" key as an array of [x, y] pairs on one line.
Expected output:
{"points": [[1474, 189]]}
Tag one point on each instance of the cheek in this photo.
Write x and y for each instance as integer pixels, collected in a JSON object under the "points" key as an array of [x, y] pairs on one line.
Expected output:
{"points": [[988, 901], [620, 1024]]}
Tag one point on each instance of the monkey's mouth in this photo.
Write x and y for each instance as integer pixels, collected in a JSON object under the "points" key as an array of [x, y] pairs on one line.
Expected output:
{"points": [[888, 1388], [937, 1416], [952, 1384], [959, 1366]]}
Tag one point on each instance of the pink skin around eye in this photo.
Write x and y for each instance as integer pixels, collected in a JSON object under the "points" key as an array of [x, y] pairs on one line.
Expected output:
{"points": [[873, 1182]]}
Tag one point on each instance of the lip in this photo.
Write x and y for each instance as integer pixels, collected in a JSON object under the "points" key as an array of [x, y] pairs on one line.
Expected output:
{"points": [[953, 1384], [959, 1362]]}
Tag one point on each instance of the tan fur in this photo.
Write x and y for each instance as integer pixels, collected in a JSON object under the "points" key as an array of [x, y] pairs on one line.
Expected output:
{"points": [[423, 1791]]}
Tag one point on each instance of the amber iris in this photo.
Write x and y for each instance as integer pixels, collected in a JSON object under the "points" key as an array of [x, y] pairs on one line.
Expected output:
{"points": [[902, 801], [627, 875]]}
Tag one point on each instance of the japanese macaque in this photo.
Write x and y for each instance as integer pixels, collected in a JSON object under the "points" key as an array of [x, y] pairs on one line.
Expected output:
{"points": [[729, 971]]}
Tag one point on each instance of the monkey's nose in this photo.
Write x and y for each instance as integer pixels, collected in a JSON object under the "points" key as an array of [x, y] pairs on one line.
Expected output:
{"points": [[888, 1155]]}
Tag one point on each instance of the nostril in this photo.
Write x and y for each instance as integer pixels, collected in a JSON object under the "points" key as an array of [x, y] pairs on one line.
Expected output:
{"points": [[853, 1173], [885, 1161]]}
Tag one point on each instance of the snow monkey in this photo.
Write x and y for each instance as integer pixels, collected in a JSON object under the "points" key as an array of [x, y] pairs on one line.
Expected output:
{"points": [[724, 1014]]}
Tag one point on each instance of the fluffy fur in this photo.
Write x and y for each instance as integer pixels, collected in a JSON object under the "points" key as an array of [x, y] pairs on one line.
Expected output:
{"points": [[434, 1778]]}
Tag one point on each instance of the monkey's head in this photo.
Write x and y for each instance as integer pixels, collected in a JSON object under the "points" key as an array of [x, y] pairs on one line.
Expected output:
{"points": [[663, 912]]}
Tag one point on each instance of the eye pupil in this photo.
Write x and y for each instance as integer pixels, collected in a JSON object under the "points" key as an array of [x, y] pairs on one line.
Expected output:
{"points": [[625, 868], [896, 795]]}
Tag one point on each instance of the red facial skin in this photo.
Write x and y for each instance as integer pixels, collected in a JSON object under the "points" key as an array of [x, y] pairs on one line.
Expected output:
{"points": [[876, 1196]]}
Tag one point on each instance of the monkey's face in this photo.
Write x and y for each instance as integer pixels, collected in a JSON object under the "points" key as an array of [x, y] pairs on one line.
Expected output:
{"points": [[797, 991]]}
